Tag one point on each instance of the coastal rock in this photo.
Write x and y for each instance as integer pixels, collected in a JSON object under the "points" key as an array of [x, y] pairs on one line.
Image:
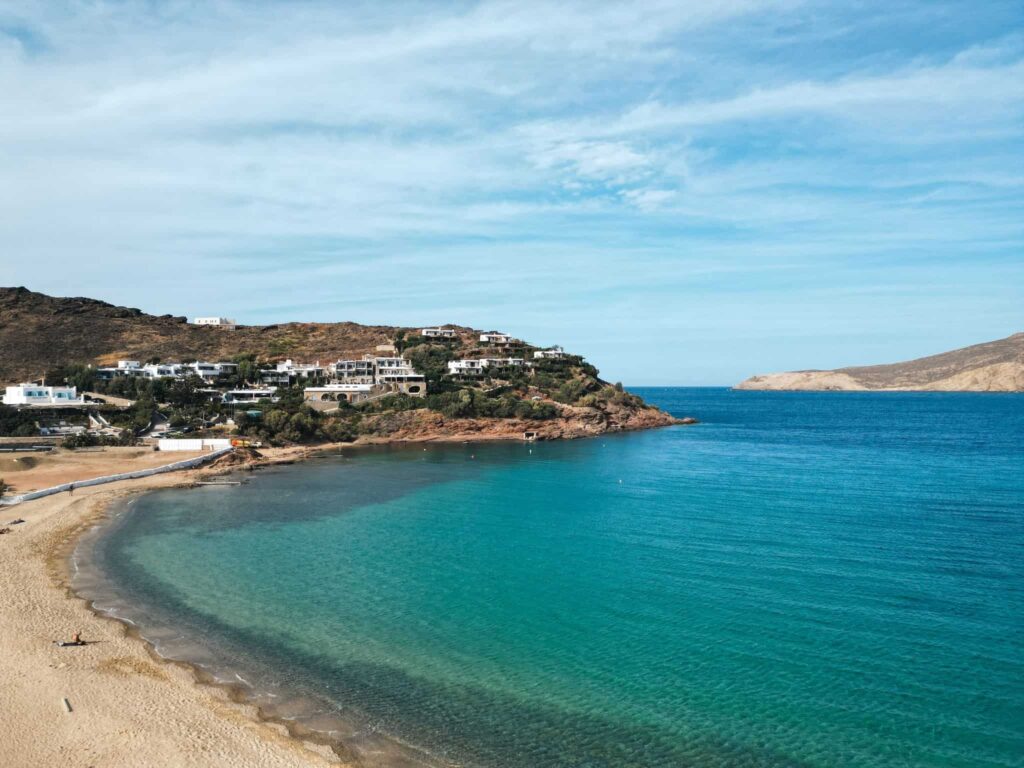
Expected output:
{"points": [[572, 422]]}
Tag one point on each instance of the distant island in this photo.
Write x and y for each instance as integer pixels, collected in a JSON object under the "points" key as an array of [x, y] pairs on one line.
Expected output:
{"points": [[91, 371], [995, 366]]}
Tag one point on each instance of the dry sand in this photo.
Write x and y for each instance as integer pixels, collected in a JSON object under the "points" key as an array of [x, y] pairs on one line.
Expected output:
{"points": [[128, 709], [25, 471]]}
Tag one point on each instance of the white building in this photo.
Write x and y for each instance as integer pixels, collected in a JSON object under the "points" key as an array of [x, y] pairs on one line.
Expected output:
{"points": [[496, 338], [438, 333], [33, 394], [333, 393], [356, 371], [467, 367], [235, 396], [220, 322], [555, 353], [163, 370], [124, 368], [167, 370], [289, 371], [398, 375], [210, 371], [484, 366], [386, 374], [498, 364]]}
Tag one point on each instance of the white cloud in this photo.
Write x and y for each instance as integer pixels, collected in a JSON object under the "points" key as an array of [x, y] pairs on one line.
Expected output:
{"points": [[200, 139]]}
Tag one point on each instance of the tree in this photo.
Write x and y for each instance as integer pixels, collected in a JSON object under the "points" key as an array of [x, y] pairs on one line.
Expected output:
{"points": [[290, 399], [185, 392], [83, 377], [339, 430], [432, 361], [15, 423]]}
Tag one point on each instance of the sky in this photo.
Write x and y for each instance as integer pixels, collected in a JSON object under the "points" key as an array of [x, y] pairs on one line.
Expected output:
{"points": [[686, 193]]}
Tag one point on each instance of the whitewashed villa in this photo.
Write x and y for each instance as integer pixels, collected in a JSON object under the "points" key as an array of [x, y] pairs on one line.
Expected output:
{"points": [[36, 394]]}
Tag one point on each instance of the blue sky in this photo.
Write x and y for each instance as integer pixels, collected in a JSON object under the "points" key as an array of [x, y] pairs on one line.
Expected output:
{"points": [[687, 193]]}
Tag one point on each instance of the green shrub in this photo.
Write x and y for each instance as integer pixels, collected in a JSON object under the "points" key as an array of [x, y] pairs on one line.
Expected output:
{"points": [[571, 391], [15, 423], [90, 440], [339, 430]]}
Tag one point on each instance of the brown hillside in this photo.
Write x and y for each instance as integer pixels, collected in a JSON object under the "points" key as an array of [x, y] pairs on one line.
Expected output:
{"points": [[39, 332], [995, 366]]}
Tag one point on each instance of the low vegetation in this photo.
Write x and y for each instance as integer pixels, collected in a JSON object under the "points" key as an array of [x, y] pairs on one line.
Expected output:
{"points": [[17, 423]]}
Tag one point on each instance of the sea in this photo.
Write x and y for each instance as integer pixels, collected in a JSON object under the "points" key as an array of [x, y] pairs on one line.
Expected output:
{"points": [[802, 579]]}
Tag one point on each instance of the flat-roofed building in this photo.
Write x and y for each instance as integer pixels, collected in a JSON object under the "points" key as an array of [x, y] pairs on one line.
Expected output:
{"points": [[503, 364], [355, 371], [336, 393], [487, 366], [210, 371], [496, 338], [250, 395], [467, 367], [554, 353], [218, 322], [438, 333], [289, 372], [163, 370], [123, 368], [398, 375], [37, 394]]}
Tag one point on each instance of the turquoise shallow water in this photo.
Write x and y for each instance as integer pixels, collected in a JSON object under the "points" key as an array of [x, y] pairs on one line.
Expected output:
{"points": [[801, 580]]}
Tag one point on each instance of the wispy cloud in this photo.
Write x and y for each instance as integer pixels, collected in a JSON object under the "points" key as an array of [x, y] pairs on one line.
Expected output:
{"points": [[492, 162]]}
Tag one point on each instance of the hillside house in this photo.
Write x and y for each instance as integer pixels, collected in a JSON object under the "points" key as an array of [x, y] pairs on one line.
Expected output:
{"points": [[496, 338], [210, 371], [467, 368], [499, 365], [397, 375], [554, 353], [217, 322], [253, 395], [38, 395], [355, 371], [163, 370], [123, 368], [334, 393], [287, 373], [438, 333]]}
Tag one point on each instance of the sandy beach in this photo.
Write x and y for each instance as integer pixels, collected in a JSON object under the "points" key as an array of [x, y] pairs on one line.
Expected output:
{"points": [[127, 708]]}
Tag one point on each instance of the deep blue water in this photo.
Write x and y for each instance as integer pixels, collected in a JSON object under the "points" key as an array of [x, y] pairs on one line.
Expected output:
{"points": [[800, 580]]}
